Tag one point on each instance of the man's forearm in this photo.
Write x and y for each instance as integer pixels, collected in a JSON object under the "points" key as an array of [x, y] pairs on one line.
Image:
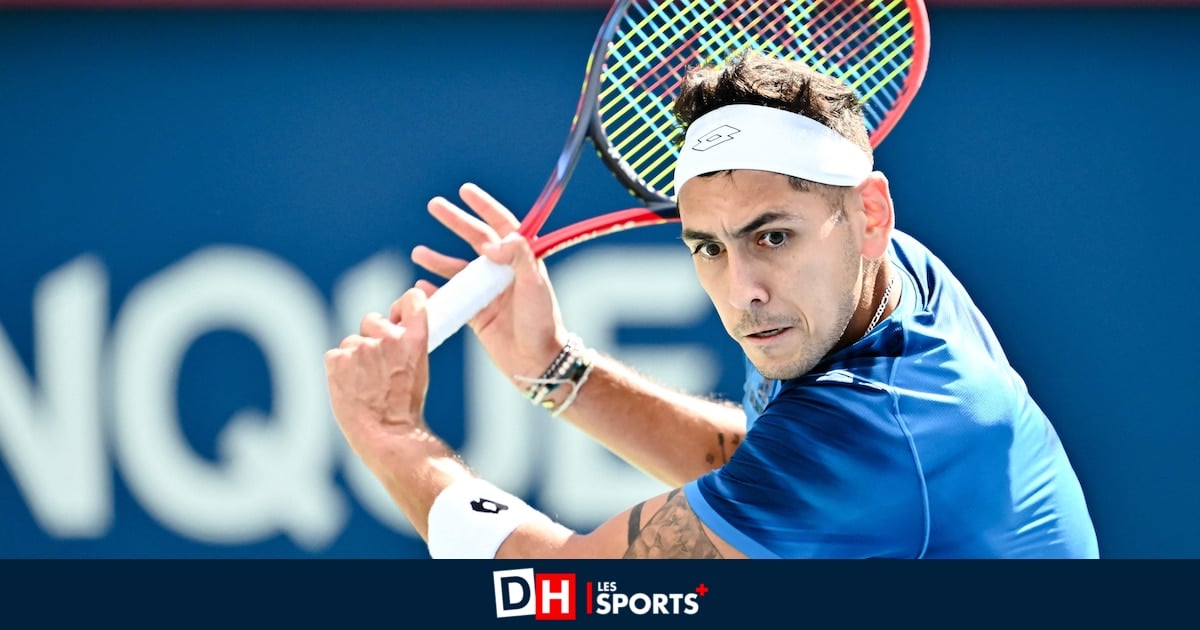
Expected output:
{"points": [[414, 469], [670, 435]]}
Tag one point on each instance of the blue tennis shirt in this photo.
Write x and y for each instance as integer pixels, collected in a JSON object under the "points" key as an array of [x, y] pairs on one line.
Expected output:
{"points": [[917, 441]]}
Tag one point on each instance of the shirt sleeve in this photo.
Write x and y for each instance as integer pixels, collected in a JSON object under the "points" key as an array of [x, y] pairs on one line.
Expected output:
{"points": [[827, 471]]}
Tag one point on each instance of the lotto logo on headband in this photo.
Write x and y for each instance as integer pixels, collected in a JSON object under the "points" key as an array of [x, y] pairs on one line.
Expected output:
{"points": [[521, 592], [721, 134]]}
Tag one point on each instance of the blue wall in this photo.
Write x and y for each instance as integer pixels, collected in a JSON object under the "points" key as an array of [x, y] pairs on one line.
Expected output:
{"points": [[194, 205]]}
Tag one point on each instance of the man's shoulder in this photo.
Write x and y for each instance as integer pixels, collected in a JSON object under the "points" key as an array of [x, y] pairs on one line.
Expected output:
{"points": [[835, 393], [910, 252], [834, 382]]}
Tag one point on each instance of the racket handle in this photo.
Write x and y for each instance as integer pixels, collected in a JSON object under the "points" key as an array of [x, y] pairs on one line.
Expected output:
{"points": [[463, 296]]}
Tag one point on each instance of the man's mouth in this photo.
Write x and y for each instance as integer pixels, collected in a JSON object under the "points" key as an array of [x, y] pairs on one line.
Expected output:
{"points": [[766, 334]]}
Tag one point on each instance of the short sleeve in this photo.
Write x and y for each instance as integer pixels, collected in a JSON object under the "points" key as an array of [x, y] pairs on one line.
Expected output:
{"points": [[827, 471]]}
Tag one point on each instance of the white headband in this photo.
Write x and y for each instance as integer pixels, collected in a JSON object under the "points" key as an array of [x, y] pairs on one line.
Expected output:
{"points": [[768, 139]]}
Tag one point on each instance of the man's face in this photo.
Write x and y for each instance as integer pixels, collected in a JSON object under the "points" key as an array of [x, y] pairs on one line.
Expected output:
{"points": [[781, 266]]}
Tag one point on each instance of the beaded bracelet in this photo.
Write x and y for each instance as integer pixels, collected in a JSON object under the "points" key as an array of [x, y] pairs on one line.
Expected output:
{"points": [[571, 367], [582, 369], [553, 376]]}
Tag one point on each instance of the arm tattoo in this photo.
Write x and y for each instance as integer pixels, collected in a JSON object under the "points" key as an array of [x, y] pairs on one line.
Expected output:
{"points": [[635, 518], [734, 440], [674, 531], [635, 522]]}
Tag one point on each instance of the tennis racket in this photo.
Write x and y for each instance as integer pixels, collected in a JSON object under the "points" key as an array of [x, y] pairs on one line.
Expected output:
{"points": [[640, 56]]}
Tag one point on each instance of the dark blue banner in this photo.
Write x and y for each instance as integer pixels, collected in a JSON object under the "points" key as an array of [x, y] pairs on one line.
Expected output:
{"points": [[660, 594]]}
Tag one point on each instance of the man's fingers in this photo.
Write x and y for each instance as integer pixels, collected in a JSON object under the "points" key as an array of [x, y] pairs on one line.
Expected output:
{"points": [[331, 356], [468, 227], [427, 287], [493, 212], [437, 262], [374, 326], [479, 235], [396, 310], [411, 308], [411, 323], [511, 250]]}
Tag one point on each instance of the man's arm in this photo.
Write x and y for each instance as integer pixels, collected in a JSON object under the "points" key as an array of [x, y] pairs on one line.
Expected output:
{"points": [[664, 526], [672, 436], [377, 383]]}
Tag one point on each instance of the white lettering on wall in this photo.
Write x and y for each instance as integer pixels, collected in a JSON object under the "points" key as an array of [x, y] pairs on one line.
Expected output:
{"points": [[274, 473], [51, 438]]}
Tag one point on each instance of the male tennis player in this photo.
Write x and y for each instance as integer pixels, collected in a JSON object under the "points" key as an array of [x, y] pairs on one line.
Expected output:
{"points": [[881, 420]]}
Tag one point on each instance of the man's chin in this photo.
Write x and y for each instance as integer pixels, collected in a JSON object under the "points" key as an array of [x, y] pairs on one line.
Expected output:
{"points": [[773, 369]]}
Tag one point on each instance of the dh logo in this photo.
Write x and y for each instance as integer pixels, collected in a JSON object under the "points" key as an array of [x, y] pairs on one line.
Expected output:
{"points": [[521, 592], [721, 134]]}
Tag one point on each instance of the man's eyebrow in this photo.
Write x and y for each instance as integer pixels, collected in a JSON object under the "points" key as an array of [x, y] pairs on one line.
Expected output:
{"points": [[747, 229], [757, 222], [696, 235]]}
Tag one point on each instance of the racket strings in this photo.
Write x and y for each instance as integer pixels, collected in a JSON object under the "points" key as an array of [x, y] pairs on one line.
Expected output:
{"points": [[732, 34], [738, 30], [669, 32], [866, 44], [668, 64], [643, 52]]}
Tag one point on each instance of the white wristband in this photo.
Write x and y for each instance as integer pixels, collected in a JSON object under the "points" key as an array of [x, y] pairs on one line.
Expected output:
{"points": [[471, 518]]}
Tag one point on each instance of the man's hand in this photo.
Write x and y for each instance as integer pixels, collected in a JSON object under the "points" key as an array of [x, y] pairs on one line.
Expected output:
{"points": [[379, 377], [522, 329]]}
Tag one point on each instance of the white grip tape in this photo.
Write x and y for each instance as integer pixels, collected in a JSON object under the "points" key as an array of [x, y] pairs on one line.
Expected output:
{"points": [[471, 518], [463, 296]]}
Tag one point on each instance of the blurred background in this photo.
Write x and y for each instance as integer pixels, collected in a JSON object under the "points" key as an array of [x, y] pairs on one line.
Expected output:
{"points": [[197, 199]]}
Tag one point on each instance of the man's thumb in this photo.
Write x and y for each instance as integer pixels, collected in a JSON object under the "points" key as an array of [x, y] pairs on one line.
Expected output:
{"points": [[413, 315], [513, 250]]}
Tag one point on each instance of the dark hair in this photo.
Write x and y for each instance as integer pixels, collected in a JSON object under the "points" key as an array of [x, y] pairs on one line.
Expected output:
{"points": [[752, 78]]}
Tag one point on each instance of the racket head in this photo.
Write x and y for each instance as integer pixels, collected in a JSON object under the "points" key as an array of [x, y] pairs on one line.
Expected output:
{"points": [[878, 47], [645, 47]]}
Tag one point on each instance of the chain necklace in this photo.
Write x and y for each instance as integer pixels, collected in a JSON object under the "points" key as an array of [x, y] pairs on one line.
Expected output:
{"points": [[887, 293]]}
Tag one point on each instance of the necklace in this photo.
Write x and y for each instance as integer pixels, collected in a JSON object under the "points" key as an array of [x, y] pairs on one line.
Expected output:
{"points": [[882, 305]]}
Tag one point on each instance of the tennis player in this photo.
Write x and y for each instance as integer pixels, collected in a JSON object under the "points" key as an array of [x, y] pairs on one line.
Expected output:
{"points": [[881, 418]]}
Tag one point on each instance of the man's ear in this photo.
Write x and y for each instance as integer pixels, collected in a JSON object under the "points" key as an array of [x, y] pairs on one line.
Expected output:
{"points": [[880, 215]]}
